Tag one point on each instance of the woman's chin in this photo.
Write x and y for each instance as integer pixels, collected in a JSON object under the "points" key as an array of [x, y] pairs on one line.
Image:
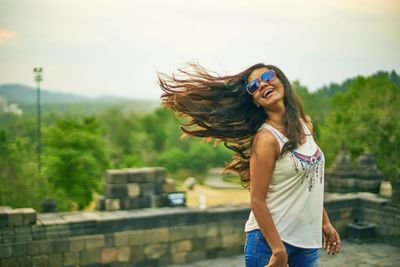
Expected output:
{"points": [[271, 101]]}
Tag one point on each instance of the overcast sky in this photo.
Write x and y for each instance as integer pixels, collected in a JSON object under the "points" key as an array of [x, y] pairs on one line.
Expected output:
{"points": [[97, 47]]}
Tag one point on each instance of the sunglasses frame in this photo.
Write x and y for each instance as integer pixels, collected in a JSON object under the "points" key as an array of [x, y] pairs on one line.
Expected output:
{"points": [[259, 79]]}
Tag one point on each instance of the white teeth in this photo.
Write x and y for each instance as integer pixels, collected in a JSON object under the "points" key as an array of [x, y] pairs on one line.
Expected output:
{"points": [[266, 92]]}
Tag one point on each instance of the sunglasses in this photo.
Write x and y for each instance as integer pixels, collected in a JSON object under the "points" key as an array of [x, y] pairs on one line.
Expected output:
{"points": [[254, 85]]}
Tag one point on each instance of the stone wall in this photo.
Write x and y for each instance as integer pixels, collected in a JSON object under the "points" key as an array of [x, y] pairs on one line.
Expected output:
{"points": [[157, 236]]}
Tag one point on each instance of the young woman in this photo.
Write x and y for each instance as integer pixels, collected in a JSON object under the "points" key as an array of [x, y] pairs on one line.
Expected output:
{"points": [[257, 114]]}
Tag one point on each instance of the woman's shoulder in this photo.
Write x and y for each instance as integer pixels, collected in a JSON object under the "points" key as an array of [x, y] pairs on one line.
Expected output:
{"points": [[308, 122], [265, 140]]}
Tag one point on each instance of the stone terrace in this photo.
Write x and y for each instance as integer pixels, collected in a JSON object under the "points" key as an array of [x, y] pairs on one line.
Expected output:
{"points": [[164, 236]]}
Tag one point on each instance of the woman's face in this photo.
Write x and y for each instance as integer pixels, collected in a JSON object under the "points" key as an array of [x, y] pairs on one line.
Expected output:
{"points": [[267, 94]]}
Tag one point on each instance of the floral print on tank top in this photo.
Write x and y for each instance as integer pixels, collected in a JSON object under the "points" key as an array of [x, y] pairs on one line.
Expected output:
{"points": [[312, 166]]}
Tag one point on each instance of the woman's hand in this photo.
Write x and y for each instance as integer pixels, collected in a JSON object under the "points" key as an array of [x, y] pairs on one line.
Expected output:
{"points": [[278, 259], [331, 239]]}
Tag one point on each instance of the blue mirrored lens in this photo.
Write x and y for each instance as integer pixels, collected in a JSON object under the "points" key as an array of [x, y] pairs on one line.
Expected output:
{"points": [[268, 76], [253, 86]]}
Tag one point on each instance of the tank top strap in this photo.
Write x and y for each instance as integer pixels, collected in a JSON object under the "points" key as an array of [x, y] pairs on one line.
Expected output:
{"points": [[306, 130], [279, 136]]}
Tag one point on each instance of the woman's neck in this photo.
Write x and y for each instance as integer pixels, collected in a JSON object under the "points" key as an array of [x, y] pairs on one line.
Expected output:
{"points": [[276, 116]]}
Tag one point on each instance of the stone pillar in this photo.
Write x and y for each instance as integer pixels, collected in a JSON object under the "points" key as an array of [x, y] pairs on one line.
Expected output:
{"points": [[396, 193], [343, 178], [368, 176], [17, 217], [133, 188], [339, 178]]}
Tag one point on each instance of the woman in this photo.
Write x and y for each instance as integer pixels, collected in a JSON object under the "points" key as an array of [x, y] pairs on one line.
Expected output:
{"points": [[258, 116]]}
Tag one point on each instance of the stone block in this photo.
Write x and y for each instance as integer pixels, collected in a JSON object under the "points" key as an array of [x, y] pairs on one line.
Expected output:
{"points": [[5, 250], [158, 201], [22, 233], [155, 251], [11, 262], [193, 256], [77, 243], [157, 235], [214, 252], [123, 254], [130, 203], [70, 258], [38, 232], [54, 260], [19, 249], [201, 230], [345, 214], [361, 232], [45, 246], [116, 176], [140, 175], [213, 229], [115, 190], [227, 228], [15, 217], [112, 204], [181, 232], [147, 189], [231, 239], [33, 248], [61, 245], [121, 238], [164, 260], [89, 256], [159, 187], [133, 189], [39, 261], [24, 261], [101, 203], [199, 244], [213, 242], [144, 202], [3, 218], [136, 237], [179, 257], [29, 216], [6, 235], [160, 173], [181, 246], [109, 240], [94, 241], [137, 253], [230, 251], [108, 255]]}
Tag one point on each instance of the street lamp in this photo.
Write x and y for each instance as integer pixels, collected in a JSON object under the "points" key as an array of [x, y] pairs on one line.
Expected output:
{"points": [[38, 79]]}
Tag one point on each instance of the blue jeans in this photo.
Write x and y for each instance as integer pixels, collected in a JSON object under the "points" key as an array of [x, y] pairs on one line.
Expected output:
{"points": [[257, 252]]}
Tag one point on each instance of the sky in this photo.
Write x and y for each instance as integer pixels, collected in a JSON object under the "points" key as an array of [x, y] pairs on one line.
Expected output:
{"points": [[104, 47]]}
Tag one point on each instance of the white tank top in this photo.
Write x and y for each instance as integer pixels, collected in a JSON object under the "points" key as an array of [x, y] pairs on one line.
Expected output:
{"points": [[296, 192]]}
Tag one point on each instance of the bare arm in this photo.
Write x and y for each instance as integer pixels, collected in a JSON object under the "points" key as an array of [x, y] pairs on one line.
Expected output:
{"points": [[325, 218], [262, 162]]}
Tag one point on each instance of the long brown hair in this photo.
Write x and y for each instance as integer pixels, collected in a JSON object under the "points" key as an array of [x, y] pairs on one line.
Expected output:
{"points": [[219, 107]]}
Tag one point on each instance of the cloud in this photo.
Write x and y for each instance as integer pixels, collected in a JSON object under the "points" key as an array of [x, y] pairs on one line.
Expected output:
{"points": [[6, 35]]}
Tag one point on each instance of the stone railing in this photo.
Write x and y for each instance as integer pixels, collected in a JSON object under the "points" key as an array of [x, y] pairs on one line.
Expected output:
{"points": [[158, 236]]}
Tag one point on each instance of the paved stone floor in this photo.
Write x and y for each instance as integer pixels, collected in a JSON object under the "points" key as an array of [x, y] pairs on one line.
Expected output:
{"points": [[351, 255]]}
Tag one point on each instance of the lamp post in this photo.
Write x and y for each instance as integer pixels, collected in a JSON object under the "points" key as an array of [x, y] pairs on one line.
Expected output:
{"points": [[38, 79]]}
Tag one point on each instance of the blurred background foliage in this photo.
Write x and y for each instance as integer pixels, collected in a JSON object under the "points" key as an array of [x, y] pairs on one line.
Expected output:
{"points": [[82, 138]]}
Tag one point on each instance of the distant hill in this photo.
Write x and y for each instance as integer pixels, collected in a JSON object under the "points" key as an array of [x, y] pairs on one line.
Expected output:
{"points": [[23, 94], [25, 97]]}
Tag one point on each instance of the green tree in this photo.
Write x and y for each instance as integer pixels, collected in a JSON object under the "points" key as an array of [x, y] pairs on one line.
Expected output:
{"points": [[365, 118], [21, 183], [75, 158]]}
